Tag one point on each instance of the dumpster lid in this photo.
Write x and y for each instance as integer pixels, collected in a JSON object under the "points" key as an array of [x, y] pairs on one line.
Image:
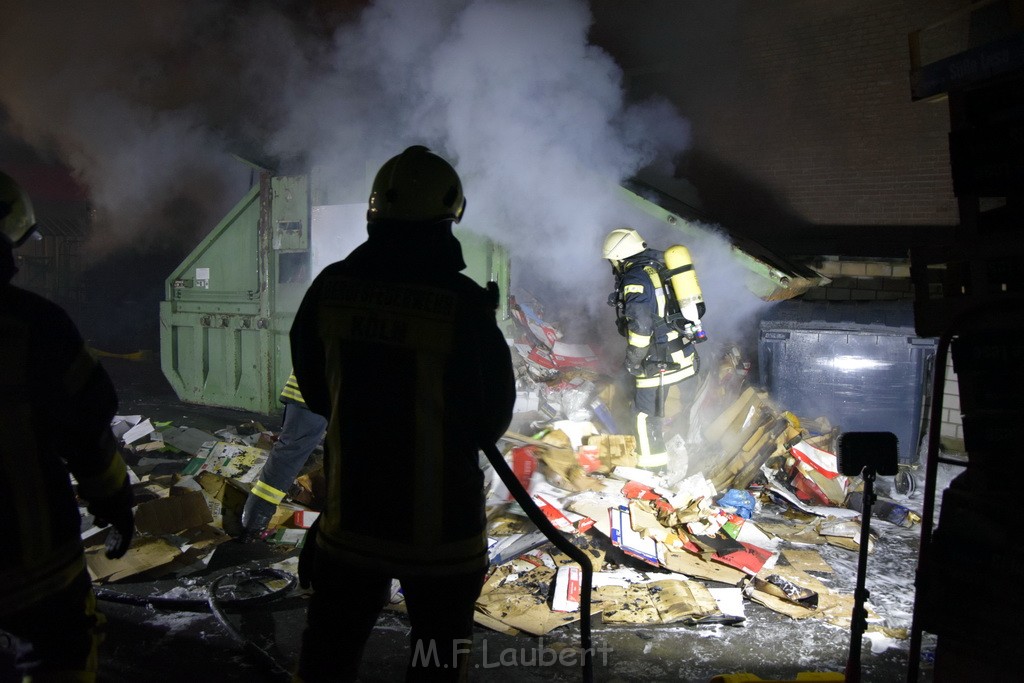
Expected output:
{"points": [[891, 317]]}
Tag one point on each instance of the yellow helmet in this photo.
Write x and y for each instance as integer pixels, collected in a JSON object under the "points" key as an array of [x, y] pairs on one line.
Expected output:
{"points": [[17, 219], [622, 243], [417, 186]]}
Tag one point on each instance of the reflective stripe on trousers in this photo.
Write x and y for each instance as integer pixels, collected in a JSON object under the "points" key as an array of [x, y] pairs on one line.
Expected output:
{"points": [[650, 442]]}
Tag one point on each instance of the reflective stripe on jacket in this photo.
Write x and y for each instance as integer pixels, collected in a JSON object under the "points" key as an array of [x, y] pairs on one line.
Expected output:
{"points": [[56, 404], [291, 393]]}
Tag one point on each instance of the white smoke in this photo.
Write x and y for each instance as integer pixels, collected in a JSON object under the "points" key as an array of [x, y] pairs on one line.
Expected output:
{"points": [[146, 102], [732, 310], [533, 117]]}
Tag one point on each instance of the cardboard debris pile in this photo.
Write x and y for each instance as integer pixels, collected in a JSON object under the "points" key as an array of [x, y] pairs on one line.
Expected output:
{"points": [[750, 491], [190, 486]]}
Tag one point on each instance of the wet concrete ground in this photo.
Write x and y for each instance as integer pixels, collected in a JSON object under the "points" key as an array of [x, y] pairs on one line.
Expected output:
{"points": [[146, 643], [151, 644]]}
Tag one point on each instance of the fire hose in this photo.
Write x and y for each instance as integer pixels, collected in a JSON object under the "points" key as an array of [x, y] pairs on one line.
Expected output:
{"points": [[534, 513], [213, 601]]}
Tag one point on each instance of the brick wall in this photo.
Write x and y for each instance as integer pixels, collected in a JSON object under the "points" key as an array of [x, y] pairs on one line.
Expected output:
{"points": [[800, 107], [952, 428], [863, 280], [835, 132]]}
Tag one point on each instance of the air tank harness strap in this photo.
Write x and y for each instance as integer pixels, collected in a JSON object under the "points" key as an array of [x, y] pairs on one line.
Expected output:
{"points": [[671, 272], [663, 350]]}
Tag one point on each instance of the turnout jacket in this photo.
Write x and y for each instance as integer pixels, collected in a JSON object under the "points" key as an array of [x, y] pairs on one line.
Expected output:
{"points": [[56, 404], [402, 354], [644, 309]]}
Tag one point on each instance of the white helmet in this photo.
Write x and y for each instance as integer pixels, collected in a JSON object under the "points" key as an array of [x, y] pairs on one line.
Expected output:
{"points": [[622, 243]]}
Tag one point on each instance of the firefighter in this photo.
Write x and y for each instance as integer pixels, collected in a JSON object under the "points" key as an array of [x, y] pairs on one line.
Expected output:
{"points": [[301, 432], [661, 322], [403, 354], [56, 404]]}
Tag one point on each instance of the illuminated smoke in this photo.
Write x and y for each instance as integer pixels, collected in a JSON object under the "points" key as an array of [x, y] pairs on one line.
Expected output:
{"points": [[147, 102]]}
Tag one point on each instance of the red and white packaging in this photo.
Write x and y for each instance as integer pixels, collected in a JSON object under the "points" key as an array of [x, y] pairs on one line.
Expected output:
{"points": [[304, 518], [640, 491], [524, 464], [574, 356], [823, 461], [568, 584], [569, 522], [589, 458], [541, 357]]}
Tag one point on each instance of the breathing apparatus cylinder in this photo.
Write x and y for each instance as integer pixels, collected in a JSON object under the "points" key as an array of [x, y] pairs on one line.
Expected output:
{"points": [[685, 286]]}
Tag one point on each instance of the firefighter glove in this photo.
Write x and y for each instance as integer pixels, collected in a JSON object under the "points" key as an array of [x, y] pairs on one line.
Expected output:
{"points": [[307, 556], [635, 356], [622, 326], [116, 510]]}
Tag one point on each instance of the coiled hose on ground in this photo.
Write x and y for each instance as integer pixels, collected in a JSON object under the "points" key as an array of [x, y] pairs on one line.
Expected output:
{"points": [[216, 603]]}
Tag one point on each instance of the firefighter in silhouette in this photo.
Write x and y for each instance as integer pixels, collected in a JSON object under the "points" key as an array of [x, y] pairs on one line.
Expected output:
{"points": [[56, 404], [404, 356], [659, 306]]}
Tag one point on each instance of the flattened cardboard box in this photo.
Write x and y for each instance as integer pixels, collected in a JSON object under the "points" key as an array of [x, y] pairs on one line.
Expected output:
{"points": [[684, 562], [153, 556], [144, 554], [657, 602], [173, 513], [630, 541], [614, 450], [510, 596], [832, 607]]}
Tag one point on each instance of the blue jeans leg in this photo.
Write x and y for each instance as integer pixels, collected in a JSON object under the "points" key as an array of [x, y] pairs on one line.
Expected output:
{"points": [[301, 432]]}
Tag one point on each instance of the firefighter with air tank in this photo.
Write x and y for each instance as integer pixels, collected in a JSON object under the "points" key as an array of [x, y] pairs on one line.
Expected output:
{"points": [[658, 304]]}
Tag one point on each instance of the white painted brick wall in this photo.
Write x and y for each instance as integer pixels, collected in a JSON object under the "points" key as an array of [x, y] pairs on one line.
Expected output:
{"points": [[952, 423]]}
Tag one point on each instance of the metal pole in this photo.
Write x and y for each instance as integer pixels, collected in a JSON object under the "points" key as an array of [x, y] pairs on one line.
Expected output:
{"points": [[860, 596]]}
